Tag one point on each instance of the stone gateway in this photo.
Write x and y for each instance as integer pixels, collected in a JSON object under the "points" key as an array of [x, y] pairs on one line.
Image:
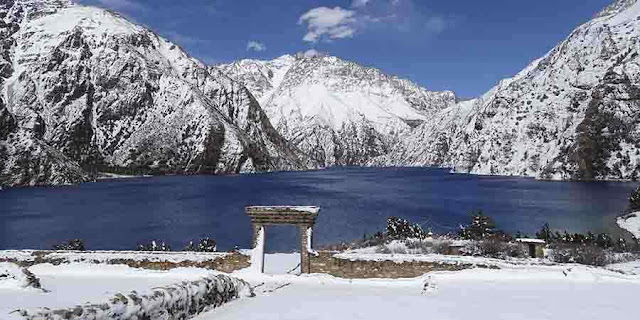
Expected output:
{"points": [[261, 216]]}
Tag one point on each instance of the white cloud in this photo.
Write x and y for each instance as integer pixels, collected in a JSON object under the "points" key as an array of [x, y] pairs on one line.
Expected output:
{"points": [[334, 23], [256, 46], [327, 24]]}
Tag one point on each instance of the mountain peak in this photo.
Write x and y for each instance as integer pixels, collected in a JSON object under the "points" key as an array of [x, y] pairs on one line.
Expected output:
{"points": [[337, 111], [617, 7]]}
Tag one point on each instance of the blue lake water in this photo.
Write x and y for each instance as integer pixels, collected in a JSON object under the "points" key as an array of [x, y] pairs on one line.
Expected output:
{"points": [[118, 214]]}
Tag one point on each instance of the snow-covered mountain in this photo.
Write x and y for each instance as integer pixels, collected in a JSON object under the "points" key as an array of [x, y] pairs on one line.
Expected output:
{"points": [[573, 114], [85, 90], [338, 112]]}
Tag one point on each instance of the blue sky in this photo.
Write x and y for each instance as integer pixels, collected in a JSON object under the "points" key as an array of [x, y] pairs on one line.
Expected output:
{"points": [[462, 45]]}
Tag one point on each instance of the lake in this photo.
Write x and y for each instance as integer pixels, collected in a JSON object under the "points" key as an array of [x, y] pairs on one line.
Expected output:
{"points": [[119, 214]]}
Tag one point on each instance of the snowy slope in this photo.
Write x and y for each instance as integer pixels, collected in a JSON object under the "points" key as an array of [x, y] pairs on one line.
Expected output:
{"points": [[573, 114], [338, 112], [85, 90]]}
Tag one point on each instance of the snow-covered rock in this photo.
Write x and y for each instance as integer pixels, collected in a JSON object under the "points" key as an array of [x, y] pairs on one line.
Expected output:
{"points": [[179, 301], [13, 277], [631, 223], [85, 90], [573, 114], [336, 111]]}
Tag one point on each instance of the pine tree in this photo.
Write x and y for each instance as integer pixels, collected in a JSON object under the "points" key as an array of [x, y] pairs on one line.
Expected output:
{"points": [[482, 227], [545, 233], [398, 229]]}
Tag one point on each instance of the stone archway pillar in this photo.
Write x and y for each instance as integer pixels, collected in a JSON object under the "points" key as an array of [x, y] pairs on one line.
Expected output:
{"points": [[257, 252], [306, 234]]}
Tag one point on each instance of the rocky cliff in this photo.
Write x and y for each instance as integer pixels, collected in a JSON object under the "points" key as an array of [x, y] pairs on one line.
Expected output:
{"points": [[572, 115], [84, 90]]}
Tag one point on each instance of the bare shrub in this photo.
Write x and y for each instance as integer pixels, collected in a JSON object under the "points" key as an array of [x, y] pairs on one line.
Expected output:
{"points": [[582, 254], [154, 246], [377, 239], [515, 250], [204, 245], [416, 244], [492, 248], [472, 248], [442, 247]]}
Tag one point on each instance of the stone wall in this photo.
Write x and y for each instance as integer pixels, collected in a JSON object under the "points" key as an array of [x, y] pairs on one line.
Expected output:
{"points": [[324, 262], [222, 262], [225, 264], [176, 302]]}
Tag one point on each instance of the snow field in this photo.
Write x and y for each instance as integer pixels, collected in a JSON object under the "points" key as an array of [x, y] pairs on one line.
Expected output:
{"points": [[533, 292]]}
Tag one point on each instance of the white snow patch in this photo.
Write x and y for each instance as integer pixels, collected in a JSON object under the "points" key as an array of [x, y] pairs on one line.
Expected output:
{"points": [[309, 209], [527, 240]]}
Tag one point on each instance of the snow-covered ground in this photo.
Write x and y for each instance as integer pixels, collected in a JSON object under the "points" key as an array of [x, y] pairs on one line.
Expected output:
{"points": [[475, 294], [516, 291], [534, 292]]}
